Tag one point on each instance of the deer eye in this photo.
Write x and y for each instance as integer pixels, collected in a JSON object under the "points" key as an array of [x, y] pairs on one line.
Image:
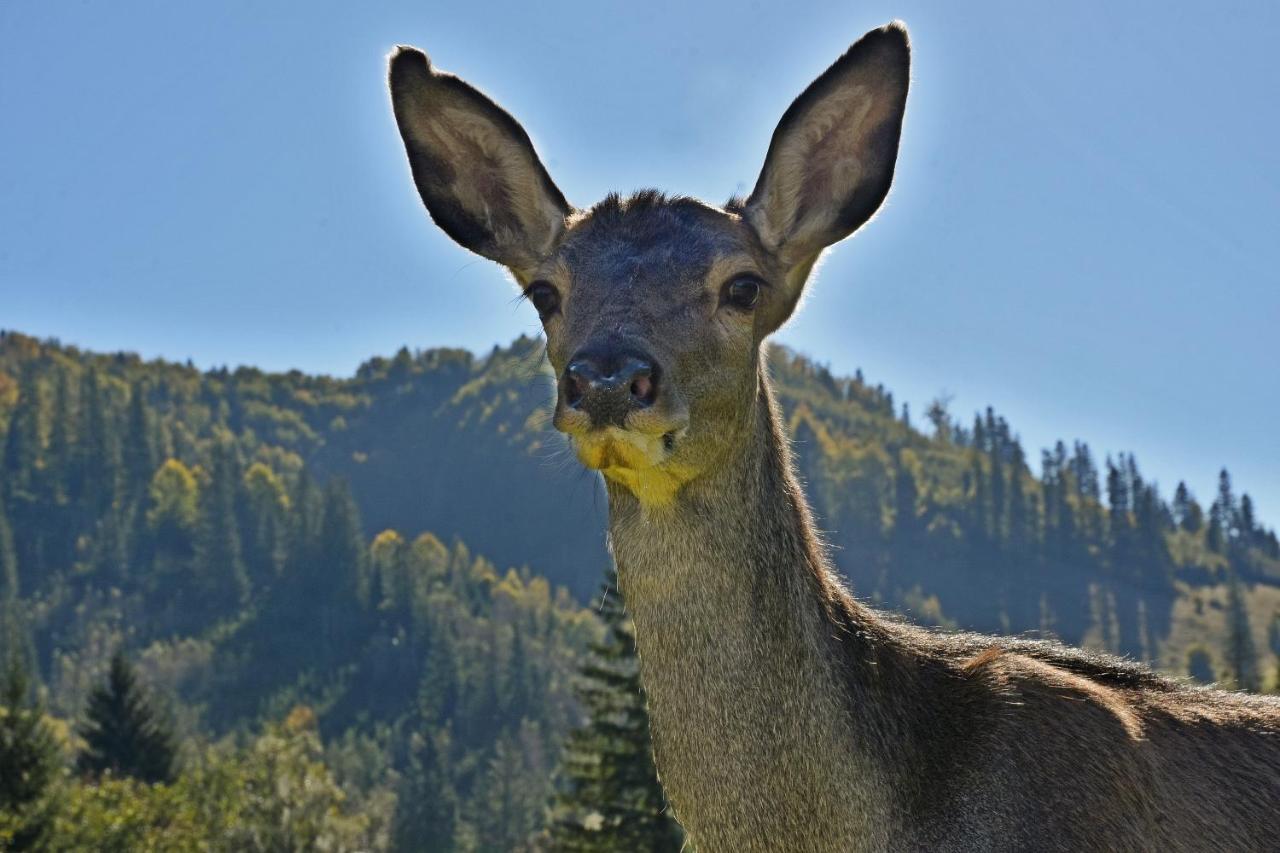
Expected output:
{"points": [[743, 292], [545, 298]]}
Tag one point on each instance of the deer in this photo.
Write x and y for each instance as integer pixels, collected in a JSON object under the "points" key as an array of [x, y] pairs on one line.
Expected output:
{"points": [[785, 713]]}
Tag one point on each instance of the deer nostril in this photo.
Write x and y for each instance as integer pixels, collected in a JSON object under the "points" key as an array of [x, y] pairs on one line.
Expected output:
{"points": [[642, 390], [573, 393], [577, 383]]}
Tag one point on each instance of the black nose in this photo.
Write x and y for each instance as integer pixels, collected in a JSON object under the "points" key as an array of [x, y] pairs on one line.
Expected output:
{"points": [[609, 386]]}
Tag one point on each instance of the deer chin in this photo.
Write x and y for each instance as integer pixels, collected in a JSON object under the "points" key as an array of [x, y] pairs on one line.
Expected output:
{"points": [[638, 461]]}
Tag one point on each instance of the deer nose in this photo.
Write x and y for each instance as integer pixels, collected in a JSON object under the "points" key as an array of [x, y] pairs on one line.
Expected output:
{"points": [[609, 388]]}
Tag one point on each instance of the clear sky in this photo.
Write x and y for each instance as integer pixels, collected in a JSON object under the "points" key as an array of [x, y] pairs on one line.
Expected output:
{"points": [[1083, 232]]}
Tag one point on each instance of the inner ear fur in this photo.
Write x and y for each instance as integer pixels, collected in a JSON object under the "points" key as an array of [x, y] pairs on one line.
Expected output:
{"points": [[831, 159], [474, 166]]}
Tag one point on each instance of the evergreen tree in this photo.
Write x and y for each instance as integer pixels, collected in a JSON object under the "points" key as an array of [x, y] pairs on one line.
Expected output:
{"points": [[1247, 522], [1215, 537], [1242, 655], [264, 517], [1186, 512], [611, 798], [427, 807], [222, 580], [123, 733], [140, 454], [22, 441], [8, 559], [339, 578], [28, 763], [940, 418], [518, 684], [1223, 514], [1021, 522], [438, 689], [58, 458], [97, 447]]}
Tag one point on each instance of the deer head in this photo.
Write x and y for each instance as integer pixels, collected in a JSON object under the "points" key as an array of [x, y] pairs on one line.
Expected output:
{"points": [[655, 308]]}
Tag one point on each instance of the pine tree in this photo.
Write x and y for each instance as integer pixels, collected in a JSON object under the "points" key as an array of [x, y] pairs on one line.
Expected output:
{"points": [[124, 735], [338, 573], [1186, 512], [28, 762], [1215, 537], [97, 447], [58, 459], [611, 799], [140, 454], [22, 441], [8, 559], [1248, 524], [1223, 515], [438, 689], [223, 581], [427, 806], [264, 514], [1021, 522], [1242, 655]]}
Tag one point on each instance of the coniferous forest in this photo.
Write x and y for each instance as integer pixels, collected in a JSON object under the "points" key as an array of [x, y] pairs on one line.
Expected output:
{"points": [[254, 611]]}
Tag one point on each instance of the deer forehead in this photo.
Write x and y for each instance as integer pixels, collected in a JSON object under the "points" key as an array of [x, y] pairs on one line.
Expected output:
{"points": [[644, 248]]}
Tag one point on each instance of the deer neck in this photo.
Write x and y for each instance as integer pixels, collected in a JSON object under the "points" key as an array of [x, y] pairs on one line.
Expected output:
{"points": [[735, 609]]}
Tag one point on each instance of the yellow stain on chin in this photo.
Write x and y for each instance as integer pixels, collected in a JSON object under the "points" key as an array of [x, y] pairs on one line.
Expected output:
{"points": [[633, 460]]}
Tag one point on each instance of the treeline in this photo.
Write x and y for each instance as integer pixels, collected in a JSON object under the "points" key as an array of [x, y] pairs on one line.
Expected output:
{"points": [[137, 517], [250, 541], [956, 526]]}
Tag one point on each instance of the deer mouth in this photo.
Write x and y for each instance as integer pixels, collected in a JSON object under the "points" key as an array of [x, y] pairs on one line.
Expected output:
{"points": [[639, 460], [613, 448]]}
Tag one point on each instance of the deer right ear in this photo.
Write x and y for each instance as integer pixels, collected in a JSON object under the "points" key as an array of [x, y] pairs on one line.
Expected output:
{"points": [[474, 166], [831, 159]]}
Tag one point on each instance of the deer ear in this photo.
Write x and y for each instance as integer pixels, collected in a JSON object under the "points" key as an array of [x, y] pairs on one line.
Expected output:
{"points": [[474, 166], [831, 159]]}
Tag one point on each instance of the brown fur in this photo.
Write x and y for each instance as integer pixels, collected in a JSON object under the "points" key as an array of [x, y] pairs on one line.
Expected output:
{"points": [[785, 714]]}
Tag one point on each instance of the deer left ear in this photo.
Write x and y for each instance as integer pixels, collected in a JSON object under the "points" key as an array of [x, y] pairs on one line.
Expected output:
{"points": [[474, 166], [831, 159]]}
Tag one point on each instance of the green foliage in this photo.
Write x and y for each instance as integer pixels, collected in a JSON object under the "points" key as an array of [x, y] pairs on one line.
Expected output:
{"points": [[29, 759], [1241, 654], [174, 496], [123, 733], [611, 799], [427, 817], [259, 542], [275, 795]]}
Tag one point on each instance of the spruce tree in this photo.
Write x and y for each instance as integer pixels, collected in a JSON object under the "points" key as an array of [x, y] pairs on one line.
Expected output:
{"points": [[1186, 512], [140, 454], [611, 799], [8, 559], [1223, 515], [338, 575], [427, 806], [98, 464], [438, 688], [58, 457], [28, 762], [222, 580], [22, 441], [1242, 655], [124, 735]]}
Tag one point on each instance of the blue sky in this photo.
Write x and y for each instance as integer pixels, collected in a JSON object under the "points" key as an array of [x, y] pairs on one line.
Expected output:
{"points": [[1082, 233]]}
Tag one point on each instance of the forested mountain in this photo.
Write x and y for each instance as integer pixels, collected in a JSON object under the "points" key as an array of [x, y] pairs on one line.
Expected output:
{"points": [[295, 561]]}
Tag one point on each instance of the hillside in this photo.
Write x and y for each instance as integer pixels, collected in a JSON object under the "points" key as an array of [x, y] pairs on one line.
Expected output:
{"points": [[952, 526], [320, 566]]}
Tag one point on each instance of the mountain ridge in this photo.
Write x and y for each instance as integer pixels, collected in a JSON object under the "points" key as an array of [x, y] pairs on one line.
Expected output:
{"points": [[457, 443]]}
